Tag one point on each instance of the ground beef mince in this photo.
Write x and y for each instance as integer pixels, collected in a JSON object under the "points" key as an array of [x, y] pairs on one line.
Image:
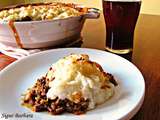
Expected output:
{"points": [[37, 100]]}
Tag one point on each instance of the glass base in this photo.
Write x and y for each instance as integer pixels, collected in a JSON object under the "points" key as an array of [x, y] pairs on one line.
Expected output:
{"points": [[121, 51], [126, 53]]}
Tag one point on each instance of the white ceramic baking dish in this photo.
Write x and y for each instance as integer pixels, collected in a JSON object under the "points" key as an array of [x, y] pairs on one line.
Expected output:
{"points": [[40, 34]]}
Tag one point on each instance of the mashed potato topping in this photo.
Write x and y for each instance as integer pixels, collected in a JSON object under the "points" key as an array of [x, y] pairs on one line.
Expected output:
{"points": [[75, 77], [45, 11]]}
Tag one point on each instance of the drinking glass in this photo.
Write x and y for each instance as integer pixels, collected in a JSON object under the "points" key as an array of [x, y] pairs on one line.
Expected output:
{"points": [[120, 19]]}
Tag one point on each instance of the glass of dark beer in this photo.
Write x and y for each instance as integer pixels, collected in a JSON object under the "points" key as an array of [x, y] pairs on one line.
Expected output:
{"points": [[120, 18]]}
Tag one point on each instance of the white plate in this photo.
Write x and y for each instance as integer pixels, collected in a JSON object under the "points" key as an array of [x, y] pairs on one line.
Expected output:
{"points": [[22, 74]]}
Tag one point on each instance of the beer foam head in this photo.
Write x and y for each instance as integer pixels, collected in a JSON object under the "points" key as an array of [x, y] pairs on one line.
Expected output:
{"points": [[124, 0]]}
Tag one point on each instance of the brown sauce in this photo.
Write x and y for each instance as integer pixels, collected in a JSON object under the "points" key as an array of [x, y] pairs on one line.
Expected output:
{"points": [[15, 33]]}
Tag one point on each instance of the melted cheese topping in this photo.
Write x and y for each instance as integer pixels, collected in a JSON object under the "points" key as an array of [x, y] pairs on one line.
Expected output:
{"points": [[75, 76]]}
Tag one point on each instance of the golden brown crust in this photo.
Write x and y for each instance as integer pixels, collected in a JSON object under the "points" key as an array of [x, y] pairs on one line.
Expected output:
{"points": [[41, 11], [80, 9]]}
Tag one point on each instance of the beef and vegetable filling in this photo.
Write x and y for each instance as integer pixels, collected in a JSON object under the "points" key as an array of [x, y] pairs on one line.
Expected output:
{"points": [[37, 100]]}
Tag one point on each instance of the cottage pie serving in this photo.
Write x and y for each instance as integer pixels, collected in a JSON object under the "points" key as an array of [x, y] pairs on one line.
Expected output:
{"points": [[40, 11], [73, 84]]}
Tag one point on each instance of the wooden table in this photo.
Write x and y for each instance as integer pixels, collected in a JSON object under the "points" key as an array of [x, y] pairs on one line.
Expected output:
{"points": [[146, 56]]}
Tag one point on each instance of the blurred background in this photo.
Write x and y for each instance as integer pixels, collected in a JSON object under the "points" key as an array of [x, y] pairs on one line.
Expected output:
{"points": [[148, 6]]}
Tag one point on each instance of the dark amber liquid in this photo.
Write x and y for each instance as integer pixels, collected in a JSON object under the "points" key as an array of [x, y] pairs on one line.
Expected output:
{"points": [[120, 18]]}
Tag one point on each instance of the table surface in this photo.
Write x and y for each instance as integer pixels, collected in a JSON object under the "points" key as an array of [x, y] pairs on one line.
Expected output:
{"points": [[146, 56]]}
